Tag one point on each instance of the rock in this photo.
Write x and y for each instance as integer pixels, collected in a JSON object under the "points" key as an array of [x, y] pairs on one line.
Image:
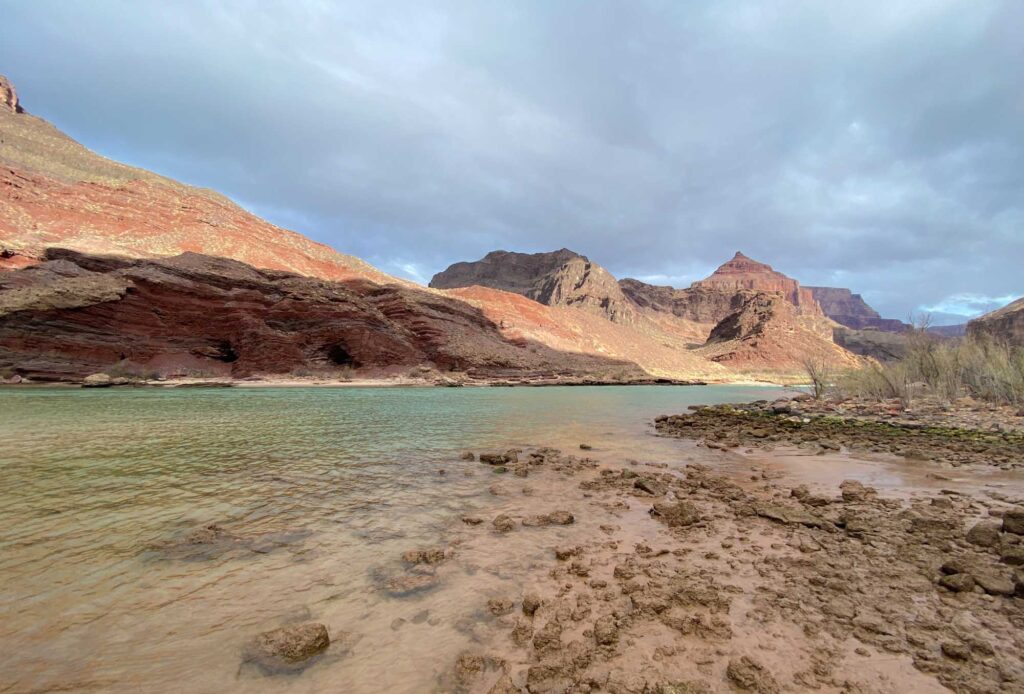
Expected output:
{"points": [[97, 381], [854, 491], [677, 515], [499, 606], [403, 585], [504, 523], [790, 515], [957, 583], [749, 675], [289, 648], [586, 447], [553, 518], [9, 97], [606, 630], [564, 553], [507, 458], [549, 637], [531, 602], [472, 520], [984, 534], [651, 486], [435, 555], [1014, 555], [467, 455], [956, 650], [1013, 521], [994, 583]]}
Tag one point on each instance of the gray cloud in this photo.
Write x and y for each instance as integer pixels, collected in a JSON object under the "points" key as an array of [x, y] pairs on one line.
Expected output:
{"points": [[878, 146]]}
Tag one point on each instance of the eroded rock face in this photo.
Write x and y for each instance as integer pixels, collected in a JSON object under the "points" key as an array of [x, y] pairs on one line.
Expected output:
{"points": [[849, 309], [8, 96], [77, 315], [558, 278], [742, 272], [1005, 324]]}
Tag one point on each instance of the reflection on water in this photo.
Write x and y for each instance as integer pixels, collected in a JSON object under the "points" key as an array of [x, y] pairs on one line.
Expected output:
{"points": [[315, 492]]}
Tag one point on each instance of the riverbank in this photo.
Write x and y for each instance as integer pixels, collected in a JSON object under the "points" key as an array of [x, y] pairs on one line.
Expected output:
{"points": [[949, 435], [685, 579]]}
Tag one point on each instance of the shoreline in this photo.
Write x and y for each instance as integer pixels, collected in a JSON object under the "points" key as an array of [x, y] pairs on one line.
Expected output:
{"points": [[375, 383], [723, 572]]}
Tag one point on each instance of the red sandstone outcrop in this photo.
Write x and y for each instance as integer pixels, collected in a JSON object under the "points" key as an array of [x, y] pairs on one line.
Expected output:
{"points": [[558, 278], [74, 315], [56, 193], [740, 272], [849, 309], [768, 334], [1006, 324]]}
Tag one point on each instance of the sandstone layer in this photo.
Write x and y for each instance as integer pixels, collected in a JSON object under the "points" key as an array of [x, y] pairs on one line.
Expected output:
{"points": [[75, 315]]}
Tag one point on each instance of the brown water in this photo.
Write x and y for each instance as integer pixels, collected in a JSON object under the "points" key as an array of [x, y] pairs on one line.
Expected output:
{"points": [[329, 486]]}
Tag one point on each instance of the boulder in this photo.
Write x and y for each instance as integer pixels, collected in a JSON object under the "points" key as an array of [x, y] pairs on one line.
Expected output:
{"points": [[1013, 521], [288, 648], [854, 491], [504, 523], [984, 534], [749, 675], [97, 381], [677, 515], [531, 602]]}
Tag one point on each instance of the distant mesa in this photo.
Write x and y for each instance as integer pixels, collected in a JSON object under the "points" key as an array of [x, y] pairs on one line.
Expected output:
{"points": [[557, 278], [849, 309]]}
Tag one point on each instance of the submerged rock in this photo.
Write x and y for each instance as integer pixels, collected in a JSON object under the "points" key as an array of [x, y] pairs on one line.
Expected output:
{"points": [[553, 518], [504, 523], [289, 648]]}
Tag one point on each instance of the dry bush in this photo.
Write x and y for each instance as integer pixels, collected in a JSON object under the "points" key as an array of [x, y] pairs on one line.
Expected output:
{"points": [[819, 374], [979, 367]]}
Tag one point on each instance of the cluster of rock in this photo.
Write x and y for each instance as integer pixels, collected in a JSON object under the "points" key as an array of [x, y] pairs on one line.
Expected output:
{"points": [[942, 435]]}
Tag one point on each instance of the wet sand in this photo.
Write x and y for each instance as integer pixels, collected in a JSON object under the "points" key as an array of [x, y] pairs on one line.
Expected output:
{"points": [[753, 589]]}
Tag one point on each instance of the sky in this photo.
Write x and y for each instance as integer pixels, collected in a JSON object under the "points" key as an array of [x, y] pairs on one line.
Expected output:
{"points": [[872, 145]]}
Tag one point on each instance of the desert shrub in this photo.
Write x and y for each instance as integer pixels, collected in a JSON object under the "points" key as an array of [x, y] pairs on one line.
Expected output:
{"points": [[978, 367]]}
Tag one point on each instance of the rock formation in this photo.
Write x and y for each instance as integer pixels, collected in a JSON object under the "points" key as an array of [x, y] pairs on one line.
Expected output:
{"points": [[56, 193], [766, 334], [1006, 324], [740, 272], [558, 278], [75, 315], [849, 309], [9, 97]]}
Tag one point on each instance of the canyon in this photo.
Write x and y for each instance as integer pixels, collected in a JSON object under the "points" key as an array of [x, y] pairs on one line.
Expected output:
{"points": [[105, 266]]}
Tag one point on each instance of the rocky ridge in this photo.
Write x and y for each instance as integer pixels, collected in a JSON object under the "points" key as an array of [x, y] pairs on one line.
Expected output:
{"points": [[1005, 324], [850, 310], [74, 315]]}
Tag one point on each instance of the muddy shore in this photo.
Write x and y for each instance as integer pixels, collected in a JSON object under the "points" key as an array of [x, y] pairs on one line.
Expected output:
{"points": [[685, 579]]}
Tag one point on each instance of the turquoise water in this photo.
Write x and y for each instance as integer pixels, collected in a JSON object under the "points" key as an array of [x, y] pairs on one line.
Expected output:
{"points": [[99, 487]]}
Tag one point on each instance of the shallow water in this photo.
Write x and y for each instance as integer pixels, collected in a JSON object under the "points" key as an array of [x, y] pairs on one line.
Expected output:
{"points": [[329, 486]]}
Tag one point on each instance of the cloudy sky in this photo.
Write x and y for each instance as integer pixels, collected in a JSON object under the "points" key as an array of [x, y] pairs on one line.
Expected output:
{"points": [[873, 145]]}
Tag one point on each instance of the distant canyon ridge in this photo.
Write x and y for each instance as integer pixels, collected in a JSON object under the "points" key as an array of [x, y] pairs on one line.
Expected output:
{"points": [[107, 268]]}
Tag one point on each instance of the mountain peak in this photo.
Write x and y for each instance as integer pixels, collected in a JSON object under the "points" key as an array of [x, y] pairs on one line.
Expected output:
{"points": [[9, 96]]}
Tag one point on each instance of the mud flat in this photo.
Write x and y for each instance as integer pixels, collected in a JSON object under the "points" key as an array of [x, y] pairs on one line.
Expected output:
{"points": [[728, 576]]}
